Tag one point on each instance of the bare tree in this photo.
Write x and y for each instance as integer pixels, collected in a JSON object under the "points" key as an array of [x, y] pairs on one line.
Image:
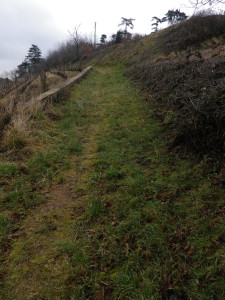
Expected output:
{"points": [[75, 35], [205, 2], [13, 75]]}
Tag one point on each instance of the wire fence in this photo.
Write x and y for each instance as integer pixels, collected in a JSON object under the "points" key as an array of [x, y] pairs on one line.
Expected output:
{"points": [[7, 86]]}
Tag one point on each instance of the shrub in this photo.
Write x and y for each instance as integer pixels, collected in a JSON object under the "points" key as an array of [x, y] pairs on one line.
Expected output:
{"points": [[16, 122], [15, 138], [194, 31], [195, 92]]}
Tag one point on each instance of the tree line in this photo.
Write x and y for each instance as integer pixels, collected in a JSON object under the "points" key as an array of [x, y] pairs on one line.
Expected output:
{"points": [[77, 48], [74, 50], [171, 17]]}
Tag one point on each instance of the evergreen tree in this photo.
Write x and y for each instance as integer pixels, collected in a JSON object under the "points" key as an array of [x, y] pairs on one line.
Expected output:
{"points": [[33, 58], [156, 21], [23, 69], [31, 63], [175, 16], [127, 23], [117, 38], [172, 17], [103, 38]]}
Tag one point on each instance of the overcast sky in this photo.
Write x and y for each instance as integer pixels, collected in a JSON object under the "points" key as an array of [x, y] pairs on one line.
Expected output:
{"points": [[47, 22]]}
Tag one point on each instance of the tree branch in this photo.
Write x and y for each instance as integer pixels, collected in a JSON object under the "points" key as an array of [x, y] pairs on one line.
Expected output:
{"points": [[196, 3]]}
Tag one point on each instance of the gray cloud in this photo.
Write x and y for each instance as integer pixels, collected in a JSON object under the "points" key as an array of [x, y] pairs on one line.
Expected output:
{"points": [[46, 22], [24, 23]]}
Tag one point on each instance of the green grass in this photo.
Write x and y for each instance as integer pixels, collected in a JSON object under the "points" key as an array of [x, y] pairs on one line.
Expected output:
{"points": [[5, 224], [145, 225], [7, 170], [142, 232], [24, 184]]}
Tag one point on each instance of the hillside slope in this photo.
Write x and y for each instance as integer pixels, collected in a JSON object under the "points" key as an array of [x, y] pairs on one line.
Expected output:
{"points": [[94, 201], [104, 211], [181, 69]]}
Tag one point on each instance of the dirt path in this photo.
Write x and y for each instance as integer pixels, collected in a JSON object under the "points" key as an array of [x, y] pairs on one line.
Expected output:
{"points": [[127, 219], [33, 263]]}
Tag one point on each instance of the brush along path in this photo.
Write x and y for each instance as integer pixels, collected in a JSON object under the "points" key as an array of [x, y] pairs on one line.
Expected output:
{"points": [[128, 219]]}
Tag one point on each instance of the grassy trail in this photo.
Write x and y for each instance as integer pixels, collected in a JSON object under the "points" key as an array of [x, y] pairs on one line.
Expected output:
{"points": [[126, 219]]}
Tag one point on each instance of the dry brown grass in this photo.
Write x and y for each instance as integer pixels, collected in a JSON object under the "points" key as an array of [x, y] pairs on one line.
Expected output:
{"points": [[53, 79], [52, 113], [34, 86], [192, 33], [19, 109], [16, 122], [188, 94], [5, 115]]}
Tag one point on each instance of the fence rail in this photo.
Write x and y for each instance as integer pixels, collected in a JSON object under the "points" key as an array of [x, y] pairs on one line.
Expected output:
{"points": [[54, 92], [7, 86]]}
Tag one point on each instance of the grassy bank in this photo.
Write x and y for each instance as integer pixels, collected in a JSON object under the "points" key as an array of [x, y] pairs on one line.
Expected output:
{"points": [[122, 217]]}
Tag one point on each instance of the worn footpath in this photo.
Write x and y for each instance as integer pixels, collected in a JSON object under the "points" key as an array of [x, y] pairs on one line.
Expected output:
{"points": [[126, 219]]}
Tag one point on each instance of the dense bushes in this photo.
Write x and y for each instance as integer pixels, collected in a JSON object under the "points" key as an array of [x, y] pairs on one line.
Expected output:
{"points": [[191, 96], [187, 89], [192, 32], [182, 70], [68, 53]]}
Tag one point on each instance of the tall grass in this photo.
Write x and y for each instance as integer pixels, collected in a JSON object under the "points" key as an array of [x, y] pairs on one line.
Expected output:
{"points": [[16, 120]]}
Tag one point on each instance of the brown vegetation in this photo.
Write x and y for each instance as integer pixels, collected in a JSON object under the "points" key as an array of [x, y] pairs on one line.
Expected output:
{"points": [[181, 69], [18, 109], [193, 101], [186, 84], [191, 33], [19, 117], [19, 105], [16, 122]]}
